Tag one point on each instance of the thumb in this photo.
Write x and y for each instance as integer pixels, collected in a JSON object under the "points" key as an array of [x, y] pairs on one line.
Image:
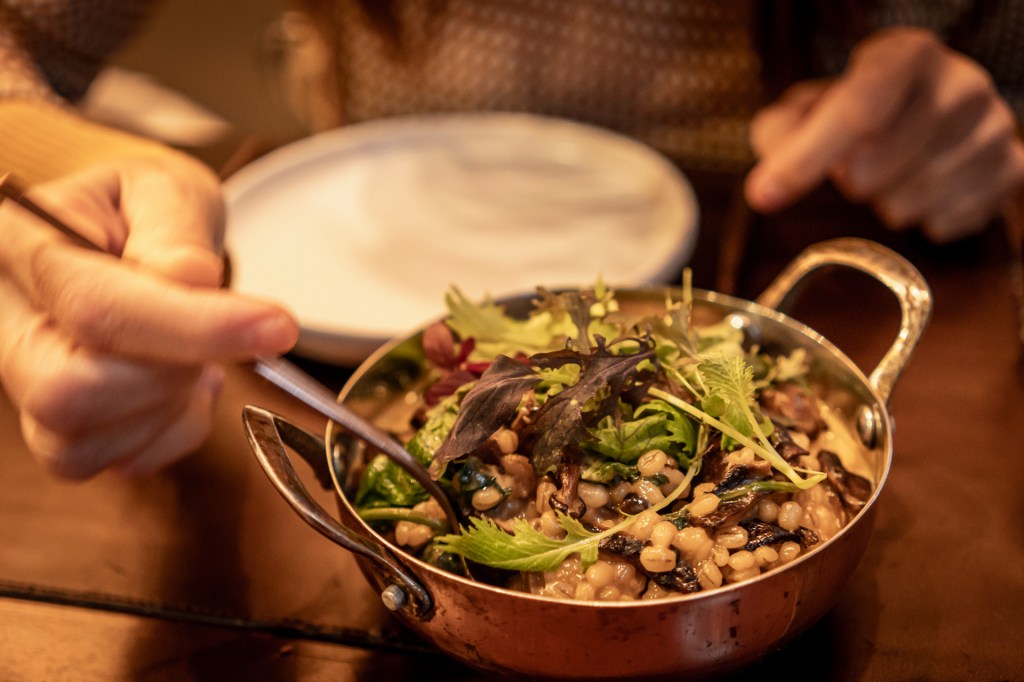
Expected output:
{"points": [[175, 212]]}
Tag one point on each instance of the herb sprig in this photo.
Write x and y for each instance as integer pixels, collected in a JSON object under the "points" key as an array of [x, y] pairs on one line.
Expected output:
{"points": [[761, 446], [527, 549]]}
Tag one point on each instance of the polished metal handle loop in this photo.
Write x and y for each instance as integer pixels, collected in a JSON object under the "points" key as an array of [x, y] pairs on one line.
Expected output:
{"points": [[268, 434], [886, 266]]}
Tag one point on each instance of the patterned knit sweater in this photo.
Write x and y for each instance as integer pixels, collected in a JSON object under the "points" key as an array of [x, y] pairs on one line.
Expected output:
{"points": [[682, 76]]}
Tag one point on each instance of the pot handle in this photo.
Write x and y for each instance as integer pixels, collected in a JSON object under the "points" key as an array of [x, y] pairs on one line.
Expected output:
{"points": [[268, 434], [889, 268]]}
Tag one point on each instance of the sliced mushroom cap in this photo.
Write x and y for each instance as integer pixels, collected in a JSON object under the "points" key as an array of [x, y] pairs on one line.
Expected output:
{"points": [[729, 512], [785, 445], [631, 505], [732, 477], [623, 545], [567, 499], [682, 578], [854, 490], [761, 533], [791, 405]]}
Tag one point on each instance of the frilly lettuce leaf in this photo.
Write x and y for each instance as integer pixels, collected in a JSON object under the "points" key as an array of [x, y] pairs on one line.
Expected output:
{"points": [[728, 381], [527, 549], [655, 425], [497, 334], [556, 318]]}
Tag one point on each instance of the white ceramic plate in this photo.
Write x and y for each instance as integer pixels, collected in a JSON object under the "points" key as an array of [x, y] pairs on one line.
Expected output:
{"points": [[361, 230]]}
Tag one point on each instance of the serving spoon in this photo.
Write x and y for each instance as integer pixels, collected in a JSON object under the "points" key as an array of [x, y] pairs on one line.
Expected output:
{"points": [[278, 371]]}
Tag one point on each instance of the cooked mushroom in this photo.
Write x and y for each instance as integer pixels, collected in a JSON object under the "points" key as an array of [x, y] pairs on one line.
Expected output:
{"points": [[853, 490], [682, 578], [623, 545], [761, 533], [785, 445], [566, 499], [631, 505], [793, 406]]}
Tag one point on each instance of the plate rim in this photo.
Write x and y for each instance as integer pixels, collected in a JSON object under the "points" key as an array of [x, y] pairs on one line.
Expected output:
{"points": [[349, 346]]}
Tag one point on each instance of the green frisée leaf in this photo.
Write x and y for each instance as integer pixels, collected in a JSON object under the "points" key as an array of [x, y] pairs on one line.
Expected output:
{"points": [[627, 441], [790, 367], [654, 426], [585, 308], [527, 549], [496, 333], [730, 381], [729, 378], [682, 431], [555, 379], [572, 304]]}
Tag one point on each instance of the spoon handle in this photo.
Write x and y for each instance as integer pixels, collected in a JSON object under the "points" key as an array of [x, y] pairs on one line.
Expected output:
{"points": [[11, 188], [290, 378]]}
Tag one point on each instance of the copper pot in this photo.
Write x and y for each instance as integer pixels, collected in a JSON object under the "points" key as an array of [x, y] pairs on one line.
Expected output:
{"points": [[703, 634]]}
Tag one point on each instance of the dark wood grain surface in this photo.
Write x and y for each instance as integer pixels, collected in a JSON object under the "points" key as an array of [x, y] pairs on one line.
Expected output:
{"points": [[203, 573]]}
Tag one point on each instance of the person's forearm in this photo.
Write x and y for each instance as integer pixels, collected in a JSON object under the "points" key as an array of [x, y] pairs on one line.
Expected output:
{"points": [[41, 141]]}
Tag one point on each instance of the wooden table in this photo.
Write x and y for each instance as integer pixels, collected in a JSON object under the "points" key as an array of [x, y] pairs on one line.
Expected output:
{"points": [[204, 573]]}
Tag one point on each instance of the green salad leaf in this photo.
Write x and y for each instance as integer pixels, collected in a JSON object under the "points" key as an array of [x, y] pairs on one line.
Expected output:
{"points": [[428, 438], [527, 549], [654, 426], [496, 333], [599, 470], [730, 380], [625, 442], [386, 484]]}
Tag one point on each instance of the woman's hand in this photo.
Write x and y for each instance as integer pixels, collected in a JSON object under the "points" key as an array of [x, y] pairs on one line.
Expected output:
{"points": [[912, 128], [111, 360]]}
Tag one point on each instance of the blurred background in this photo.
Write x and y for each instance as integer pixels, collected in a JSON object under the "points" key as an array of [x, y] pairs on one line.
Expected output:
{"points": [[204, 75]]}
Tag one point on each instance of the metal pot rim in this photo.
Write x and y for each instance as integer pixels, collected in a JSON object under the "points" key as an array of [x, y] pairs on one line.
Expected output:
{"points": [[737, 305]]}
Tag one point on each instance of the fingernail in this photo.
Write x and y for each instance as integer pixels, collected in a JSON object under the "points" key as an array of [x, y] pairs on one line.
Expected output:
{"points": [[275, 334], [763, 192]]}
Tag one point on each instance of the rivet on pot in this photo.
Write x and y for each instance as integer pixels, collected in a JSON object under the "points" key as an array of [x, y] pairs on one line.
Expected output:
{"points": [[867, 426], [743, 323], [394, 597]]}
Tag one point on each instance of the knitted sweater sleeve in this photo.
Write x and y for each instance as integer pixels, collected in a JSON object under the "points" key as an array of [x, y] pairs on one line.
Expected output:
{"points": [[50, 51]]}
